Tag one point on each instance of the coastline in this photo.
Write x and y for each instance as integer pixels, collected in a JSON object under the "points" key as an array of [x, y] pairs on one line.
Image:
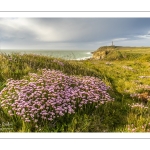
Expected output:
{"points": [[67, 55]]}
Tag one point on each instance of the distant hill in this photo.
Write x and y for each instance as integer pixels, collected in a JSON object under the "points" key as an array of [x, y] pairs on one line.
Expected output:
{"points": [[119, 52]]}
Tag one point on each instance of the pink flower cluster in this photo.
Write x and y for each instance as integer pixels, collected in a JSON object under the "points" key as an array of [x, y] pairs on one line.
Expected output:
{"points": [[138, 105], [58, 62], [51, 94]]}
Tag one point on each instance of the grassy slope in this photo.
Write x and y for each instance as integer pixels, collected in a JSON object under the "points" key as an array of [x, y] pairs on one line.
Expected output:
{"points": [[128, 53], [127, 71], [126, 75]]}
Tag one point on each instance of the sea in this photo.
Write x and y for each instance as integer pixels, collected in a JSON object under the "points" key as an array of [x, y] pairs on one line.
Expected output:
{"points": [[65, 54]]}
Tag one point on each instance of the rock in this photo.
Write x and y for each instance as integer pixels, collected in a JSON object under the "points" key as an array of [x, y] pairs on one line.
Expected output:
{"points": [[101, 52]]}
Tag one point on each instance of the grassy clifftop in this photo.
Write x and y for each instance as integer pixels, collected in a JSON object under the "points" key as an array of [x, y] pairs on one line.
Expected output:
{"points": [[120, 52]]}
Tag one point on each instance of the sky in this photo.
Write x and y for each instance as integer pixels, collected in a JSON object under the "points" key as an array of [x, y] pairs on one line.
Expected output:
{"points": [[73, 33]]}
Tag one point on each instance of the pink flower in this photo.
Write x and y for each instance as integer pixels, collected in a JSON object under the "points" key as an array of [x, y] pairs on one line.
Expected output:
{"points": [[51, 94]]}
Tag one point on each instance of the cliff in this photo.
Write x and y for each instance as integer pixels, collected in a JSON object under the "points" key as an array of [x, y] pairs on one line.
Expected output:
{"points": [[101, 52], [120, 52]]}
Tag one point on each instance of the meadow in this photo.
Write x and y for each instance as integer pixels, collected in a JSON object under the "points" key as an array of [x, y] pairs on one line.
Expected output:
{"points": [[46, 94]]}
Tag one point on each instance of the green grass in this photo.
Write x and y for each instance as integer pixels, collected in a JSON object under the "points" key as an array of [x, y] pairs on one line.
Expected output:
{"points": [[121, 70]]}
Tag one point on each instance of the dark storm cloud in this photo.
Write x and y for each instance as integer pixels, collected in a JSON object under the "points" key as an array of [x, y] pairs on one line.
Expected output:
{"points": [[79, 33]]}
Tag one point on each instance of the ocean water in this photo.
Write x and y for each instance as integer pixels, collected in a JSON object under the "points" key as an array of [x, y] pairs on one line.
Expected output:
{"points": [[69, 54]]}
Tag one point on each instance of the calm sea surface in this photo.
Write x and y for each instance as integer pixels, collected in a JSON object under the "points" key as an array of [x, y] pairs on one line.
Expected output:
{"points": [[70, 55]]}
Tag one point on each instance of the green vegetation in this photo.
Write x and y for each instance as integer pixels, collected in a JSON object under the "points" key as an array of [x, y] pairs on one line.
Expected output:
{"points": [[127, 73], [119, 53]]}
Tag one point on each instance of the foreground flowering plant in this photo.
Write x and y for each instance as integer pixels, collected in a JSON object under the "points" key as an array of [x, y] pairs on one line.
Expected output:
{"points": [[51, 94]]}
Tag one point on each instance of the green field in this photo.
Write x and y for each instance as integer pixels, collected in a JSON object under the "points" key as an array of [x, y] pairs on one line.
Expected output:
{"points": [[126, 71], [140, 50]]}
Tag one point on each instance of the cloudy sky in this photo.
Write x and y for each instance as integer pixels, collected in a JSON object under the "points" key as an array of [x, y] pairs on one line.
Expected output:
{"points": [[73, 33]]}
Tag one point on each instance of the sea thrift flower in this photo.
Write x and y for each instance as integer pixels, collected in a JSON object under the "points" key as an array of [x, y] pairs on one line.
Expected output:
{"points": [[51, 94], [137, 105], [59, 62]]}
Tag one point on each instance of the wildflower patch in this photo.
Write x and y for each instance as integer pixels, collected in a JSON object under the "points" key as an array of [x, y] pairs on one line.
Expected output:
{"points": [[51, 94]]}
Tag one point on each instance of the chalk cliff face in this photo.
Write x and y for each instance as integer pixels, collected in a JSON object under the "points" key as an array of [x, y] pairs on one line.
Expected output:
{"points": [[101, 52], [99, 55]]}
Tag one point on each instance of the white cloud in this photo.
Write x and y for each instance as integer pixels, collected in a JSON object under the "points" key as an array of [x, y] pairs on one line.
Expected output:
{"points": [[146, 36], [120, 39], [79, 33]]}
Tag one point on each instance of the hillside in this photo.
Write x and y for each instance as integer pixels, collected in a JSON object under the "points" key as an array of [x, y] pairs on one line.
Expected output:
{"points": [[44, 94], [119, 52]]}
